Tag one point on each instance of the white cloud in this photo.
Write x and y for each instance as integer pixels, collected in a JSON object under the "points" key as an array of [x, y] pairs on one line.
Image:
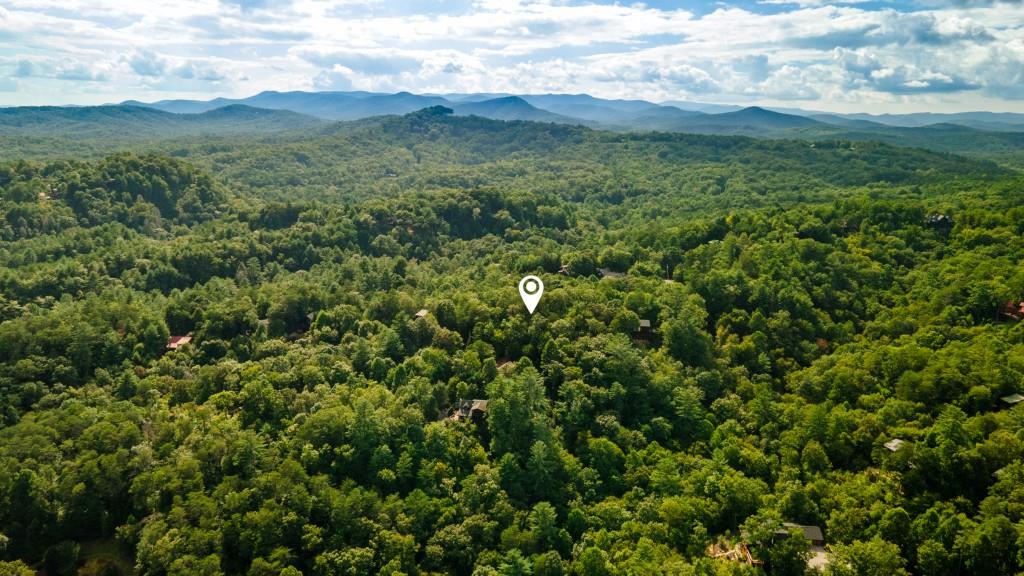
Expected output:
{"points": [[80, 71], [146, 63], [338, 78], [831, 55], [24, 69]]}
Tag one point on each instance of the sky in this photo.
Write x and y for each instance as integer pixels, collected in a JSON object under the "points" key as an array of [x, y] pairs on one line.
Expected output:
{"points": [[877, 56]]}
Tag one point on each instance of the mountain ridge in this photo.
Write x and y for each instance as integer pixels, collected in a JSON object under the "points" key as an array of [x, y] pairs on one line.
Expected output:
{"points": [[510, 108], [615, 114], [270, 111], [139, 121]]}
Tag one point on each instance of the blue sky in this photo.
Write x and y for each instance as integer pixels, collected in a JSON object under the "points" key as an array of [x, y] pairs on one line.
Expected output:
{"points": [[872, 56]]}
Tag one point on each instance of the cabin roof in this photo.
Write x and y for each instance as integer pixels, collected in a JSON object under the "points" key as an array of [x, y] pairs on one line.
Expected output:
{"points": [[422, 313], [1013, 309], [1012, 399], [894, 444], [467, 408], [175, 342], [812, 533], [609, 273]]}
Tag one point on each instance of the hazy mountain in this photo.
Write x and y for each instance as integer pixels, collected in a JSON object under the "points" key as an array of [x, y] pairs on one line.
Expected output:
{"points": [[592, 111], [378, 104], [851, 123], [32, 117], [749, 121], [568, 108], [661, 118], [477, 97], [1002, 145], [182, 106], [704, 107], [760, 118], [977, 133], [979, 120], [510, 108], [609, 112], [49, 129], [326, 105], [1002, 121], [130, 121]]}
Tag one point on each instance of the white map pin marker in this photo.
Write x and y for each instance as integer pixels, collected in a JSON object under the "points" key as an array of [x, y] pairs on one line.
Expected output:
{"points": [[531, 289]]}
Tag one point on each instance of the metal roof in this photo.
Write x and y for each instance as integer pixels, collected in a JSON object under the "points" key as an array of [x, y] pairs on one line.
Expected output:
{"points": [[894, 444]]}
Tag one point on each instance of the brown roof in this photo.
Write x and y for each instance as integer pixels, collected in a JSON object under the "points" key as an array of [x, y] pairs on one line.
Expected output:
{"points": [[1013, 309], [812, 533], [175, 342]]}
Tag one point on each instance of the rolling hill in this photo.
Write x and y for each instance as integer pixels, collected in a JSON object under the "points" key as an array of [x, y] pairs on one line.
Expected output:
{"points": [[348, 296], [749, 121], [134, 122], [382, 156], [599, 110], [611, 114], [46, 131], [993, 121], [324, 105], [510, 108]]}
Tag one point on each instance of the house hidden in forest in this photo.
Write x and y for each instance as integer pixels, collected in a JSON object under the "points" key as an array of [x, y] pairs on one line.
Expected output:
{"points": [[819, 558], [1012, 399], [1013, 310], [422, 313], [811, 533], [175, 342], [894, 444], [606, 273], [941, 222], [643, 330], [472, 410]]}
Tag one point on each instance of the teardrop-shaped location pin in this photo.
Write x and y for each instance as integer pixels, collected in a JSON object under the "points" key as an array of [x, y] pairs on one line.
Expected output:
{"points": [[531, 289]]}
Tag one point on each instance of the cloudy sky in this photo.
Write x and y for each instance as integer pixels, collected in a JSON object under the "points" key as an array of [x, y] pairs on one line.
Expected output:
{"points": [[873, 56]]}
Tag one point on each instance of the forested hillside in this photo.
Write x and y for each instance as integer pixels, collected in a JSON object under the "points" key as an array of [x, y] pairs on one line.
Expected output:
{"points": [[733, 333], [226, 126]]}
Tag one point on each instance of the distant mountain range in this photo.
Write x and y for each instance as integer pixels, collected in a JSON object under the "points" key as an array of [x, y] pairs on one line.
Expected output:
{"points": [[140, 121], [510, 108], [993, 134], [584, 109]]}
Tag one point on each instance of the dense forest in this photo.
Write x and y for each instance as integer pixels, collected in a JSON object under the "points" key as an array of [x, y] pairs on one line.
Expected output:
{"points": [[256, 354]]}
